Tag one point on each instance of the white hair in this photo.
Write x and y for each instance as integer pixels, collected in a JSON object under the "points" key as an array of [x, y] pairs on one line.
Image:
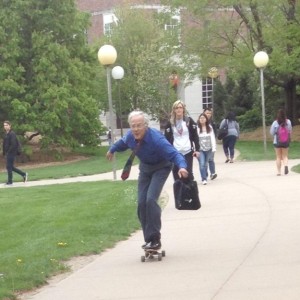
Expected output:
{"points": [[139, 113]]}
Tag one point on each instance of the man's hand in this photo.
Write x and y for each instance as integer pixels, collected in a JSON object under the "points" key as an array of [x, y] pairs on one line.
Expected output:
{"points": [[109, 155], [183, 173], [196, 154]]}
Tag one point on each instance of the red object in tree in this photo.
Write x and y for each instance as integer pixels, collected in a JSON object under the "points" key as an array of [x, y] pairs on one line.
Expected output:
{"points": [[174, 80]]}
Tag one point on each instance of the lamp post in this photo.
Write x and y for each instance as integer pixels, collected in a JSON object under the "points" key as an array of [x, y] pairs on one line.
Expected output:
{"points": [[107, 56], [212, 73], [261, 60], [118, 73]]}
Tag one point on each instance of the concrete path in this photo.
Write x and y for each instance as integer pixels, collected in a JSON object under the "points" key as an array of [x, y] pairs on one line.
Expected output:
{"points": [[244, 243]]}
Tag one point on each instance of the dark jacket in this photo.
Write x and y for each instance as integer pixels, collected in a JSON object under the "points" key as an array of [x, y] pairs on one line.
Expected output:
{"points": [[214, 126], [10, 143], [192, 126]]}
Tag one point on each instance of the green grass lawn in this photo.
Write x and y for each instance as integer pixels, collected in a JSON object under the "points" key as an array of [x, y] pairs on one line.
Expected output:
{"points": [[41, 227], [254, 151], [95, 164]]}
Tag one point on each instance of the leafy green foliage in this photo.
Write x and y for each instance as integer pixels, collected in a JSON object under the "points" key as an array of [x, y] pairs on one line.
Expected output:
{"points": [[48, 72], [250, 120], [229, 33], [146, 52]]}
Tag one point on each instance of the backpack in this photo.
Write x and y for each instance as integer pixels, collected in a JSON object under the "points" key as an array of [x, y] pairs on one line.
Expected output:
{"points": [[283, 136]]}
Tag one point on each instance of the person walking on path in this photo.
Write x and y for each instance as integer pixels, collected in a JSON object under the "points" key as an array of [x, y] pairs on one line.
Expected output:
{"points": [[281, 128], [211, 161], [181, 132], [156, 157], [10, 150], [230, 139], [208, 145]]}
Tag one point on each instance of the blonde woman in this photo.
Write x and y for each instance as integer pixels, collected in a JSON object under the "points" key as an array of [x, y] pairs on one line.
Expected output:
{"points": [[181, 132]]}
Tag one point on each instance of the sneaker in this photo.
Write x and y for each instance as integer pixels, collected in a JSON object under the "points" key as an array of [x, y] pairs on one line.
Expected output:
{"points": [[204, 182], [144, 245], [286, 170], [154, 245], [8, 184], [25, 177], [227, 160], [213, 176]]}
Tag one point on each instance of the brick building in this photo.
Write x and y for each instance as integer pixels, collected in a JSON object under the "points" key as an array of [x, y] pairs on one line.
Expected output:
{"points": [[102, 13]]}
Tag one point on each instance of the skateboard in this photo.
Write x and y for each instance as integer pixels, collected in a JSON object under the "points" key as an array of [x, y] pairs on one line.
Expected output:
{"points": [[151, 254]]}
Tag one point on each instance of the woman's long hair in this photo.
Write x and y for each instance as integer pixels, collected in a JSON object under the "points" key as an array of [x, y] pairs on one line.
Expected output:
{"points": [[173, 114], [281, 117], [231, 116], [208, 128]]}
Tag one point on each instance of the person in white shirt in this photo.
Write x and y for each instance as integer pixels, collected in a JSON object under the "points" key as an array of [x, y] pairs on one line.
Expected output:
{"points": [[208, 145], [181, 132]]}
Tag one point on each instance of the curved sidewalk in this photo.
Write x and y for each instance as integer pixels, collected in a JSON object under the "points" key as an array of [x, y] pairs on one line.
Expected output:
{"points": [[244, 243]]}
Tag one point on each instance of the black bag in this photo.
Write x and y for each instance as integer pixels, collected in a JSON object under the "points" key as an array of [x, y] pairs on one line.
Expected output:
{"points": [[223, 131], [186, 195]]}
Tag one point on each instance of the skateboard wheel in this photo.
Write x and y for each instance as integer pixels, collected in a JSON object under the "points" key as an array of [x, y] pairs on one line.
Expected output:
{"points": [[163, 253], [143, 258], [159, 256]]}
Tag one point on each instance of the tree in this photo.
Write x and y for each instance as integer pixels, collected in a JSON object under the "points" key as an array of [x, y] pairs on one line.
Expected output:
{"points": [[50, 73], [240, 31], [148, 54]]}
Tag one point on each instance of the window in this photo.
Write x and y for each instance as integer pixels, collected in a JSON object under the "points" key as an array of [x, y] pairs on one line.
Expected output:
{"points": [[207, 90], [172, 25], [109, 20], [107, 29]]}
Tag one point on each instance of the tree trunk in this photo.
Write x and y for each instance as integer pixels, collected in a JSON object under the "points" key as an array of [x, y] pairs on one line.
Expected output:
{"points": [[291, 101]]}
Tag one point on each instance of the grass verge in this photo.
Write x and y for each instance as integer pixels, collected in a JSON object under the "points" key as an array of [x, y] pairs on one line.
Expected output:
{"points": [[254, 151], [41, 227], [96, 163]]}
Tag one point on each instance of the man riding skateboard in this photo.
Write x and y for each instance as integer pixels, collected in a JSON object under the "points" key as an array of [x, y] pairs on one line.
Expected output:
{"points": [[157, 157]]}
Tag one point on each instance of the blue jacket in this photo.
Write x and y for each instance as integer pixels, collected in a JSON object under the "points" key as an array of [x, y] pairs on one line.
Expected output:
{"points": [[154, 148]]}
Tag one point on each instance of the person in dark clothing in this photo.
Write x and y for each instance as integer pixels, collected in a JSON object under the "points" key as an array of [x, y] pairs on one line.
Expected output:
{"points": [[181, 132], [230, 139], [156, 157], [10, 150]]}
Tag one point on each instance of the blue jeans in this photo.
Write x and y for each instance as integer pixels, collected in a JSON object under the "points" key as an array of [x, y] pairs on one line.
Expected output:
{"points": [[211, 164], [10, 159], [150, 184], [228, 145], [203, 163]]}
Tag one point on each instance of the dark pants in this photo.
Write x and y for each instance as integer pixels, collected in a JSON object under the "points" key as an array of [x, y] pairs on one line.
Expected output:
{"points": [[150, 184], [189, 161], [10, 159], [228, 145]]}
